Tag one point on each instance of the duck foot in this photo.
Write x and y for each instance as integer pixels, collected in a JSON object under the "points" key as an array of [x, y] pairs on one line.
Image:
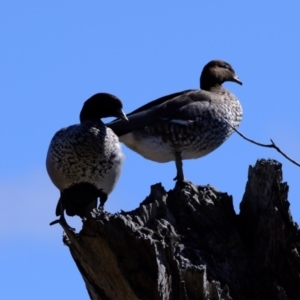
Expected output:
{"points": [[101, 207], [63, 223]]}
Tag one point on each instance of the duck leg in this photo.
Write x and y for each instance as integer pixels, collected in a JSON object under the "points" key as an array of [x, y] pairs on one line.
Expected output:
{"points": [[62, 220], [103, 198], [178, 162]]}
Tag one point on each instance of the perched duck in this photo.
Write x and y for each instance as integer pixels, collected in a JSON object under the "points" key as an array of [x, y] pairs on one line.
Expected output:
{"points": [[84, 160], [187, 124]]}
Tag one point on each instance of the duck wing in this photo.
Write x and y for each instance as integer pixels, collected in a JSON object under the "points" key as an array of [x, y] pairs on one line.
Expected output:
{"points": [[183, 105]]}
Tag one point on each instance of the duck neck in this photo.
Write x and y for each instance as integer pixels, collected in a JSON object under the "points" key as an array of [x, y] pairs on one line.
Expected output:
{"points": [[92, 121], [210, 86], [218, 89]]}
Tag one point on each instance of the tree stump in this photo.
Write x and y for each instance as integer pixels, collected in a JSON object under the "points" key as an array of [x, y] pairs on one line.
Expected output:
{"points": [[189, 243]]}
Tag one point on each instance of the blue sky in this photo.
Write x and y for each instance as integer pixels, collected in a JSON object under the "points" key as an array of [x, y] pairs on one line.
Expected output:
{"points": [[54, 55]]}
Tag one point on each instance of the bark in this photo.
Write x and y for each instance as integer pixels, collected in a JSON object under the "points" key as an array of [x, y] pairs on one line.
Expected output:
{"points": [[189, 243]]}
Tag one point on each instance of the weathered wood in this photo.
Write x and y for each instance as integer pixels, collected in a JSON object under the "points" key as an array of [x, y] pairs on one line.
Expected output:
{"points": [[189, 243]]}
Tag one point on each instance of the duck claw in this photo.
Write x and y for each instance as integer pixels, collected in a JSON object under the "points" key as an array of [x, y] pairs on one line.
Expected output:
{"points": [[63, 223]]}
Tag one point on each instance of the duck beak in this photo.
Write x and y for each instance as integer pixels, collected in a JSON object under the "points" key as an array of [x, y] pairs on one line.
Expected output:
{"points": [[236, 79], [121, 115]]}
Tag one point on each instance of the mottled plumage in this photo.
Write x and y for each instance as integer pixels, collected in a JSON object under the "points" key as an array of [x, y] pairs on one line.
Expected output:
{"points": [[84, 160], [184, 125]]}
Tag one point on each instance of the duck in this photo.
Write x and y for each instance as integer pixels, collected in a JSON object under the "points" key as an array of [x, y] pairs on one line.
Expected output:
{"points": [[185, 125], [84, 160]]}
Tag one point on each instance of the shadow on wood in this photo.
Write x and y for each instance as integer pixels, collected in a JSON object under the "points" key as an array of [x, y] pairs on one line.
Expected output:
{"points": [[189, 243]]}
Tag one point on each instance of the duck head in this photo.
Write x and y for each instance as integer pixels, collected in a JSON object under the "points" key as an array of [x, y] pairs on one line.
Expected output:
{"points": [[217, 72], [102, 105]]}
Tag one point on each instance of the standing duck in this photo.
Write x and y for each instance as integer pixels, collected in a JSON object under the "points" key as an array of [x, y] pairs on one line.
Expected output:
{"points": [[84, 160], [187, 124]]}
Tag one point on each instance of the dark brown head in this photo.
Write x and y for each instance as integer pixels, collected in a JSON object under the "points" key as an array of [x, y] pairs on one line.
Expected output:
{"points": [[215, 73], [102, 105]]}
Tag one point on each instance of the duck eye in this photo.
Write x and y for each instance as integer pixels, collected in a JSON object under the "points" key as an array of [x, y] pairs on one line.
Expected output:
{"points": [[225, 67]]}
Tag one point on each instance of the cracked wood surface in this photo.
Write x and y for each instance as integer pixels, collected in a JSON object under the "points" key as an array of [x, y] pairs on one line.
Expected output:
{"points": [[189, 243]]}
